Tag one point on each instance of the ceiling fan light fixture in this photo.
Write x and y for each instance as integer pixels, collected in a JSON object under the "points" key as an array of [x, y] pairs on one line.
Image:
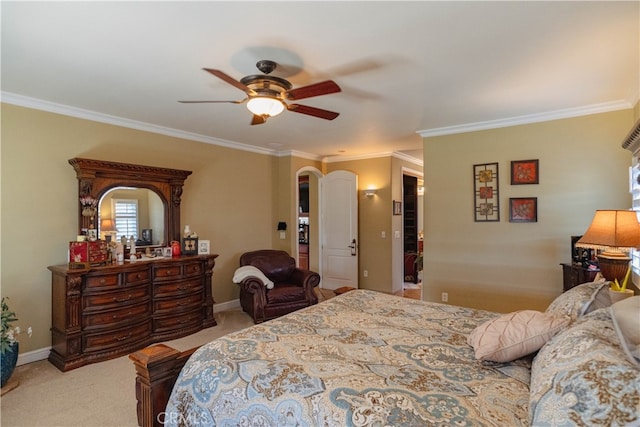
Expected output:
{"points": [[265, 106]]}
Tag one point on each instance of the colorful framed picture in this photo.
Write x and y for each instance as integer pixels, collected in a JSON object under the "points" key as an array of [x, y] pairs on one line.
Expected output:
{"points": [[524, 172], [523, 209], [485, 183]]}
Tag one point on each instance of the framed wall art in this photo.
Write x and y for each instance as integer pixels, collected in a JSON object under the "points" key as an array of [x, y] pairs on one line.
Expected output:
{"points": [[397, 207], [524, 172], [486, 204], [523, 209]]}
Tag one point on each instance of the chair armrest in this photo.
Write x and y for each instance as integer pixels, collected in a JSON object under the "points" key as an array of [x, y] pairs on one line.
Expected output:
{"points": [[253, 285], [305, 278]]}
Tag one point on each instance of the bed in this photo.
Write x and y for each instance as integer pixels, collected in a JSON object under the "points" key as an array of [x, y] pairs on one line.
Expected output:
{"points": [[366, 358]]}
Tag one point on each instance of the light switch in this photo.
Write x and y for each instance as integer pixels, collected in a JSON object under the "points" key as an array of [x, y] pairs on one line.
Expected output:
{"points": [[397, 234], [383, 234]]}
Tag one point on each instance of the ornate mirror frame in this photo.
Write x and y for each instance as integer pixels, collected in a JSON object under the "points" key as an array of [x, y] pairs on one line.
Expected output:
{"points": [[96, 177]]}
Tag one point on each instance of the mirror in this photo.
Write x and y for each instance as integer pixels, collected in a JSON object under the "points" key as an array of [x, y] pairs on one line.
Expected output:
{"points": [[157, 191], [129, 211]]}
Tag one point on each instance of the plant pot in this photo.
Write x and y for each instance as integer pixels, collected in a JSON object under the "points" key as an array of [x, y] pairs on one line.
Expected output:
{"points": [[619, 295], [8, 362]]}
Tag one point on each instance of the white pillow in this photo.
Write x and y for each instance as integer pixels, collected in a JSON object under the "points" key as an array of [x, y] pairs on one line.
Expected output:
{"points": [[625, 315], [514, 335]]}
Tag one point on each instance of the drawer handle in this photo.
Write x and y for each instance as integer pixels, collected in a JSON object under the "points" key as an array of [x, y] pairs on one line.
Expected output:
{"points": [[187, 302], [182, 322], [123, 300], [182, 288], [115, 316], [125, 337], [102, 281]]}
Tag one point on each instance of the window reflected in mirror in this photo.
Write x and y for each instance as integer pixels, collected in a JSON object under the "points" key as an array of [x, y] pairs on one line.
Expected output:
{"points": [[128, 211]]}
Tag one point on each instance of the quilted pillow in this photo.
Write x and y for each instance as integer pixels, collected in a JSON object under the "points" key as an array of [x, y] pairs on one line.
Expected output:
{"points": [[582, 377], [577, 300], [514, 335]]}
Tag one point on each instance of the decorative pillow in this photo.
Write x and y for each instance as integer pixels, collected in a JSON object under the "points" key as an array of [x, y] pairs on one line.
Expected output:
{"points": [[514, 335], [572, 302], [582, 377], [599, 299], [626, 319]]}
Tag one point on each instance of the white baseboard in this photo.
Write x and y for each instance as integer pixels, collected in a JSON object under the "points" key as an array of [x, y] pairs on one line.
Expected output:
{"points": [[33, 356], [43, 353], [229, 305]]}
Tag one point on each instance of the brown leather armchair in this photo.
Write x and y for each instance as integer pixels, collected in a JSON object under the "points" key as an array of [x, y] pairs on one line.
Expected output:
{"points": [[292, 286]]}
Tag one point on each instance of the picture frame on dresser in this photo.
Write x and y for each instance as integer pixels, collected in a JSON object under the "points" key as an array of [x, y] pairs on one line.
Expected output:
{"points": [[204, 246]]}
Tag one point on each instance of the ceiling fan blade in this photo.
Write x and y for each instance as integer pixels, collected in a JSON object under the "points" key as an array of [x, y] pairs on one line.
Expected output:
{"points": [[212, 102], [316, 89], [227, 78], [313, 111], [258, 120]]}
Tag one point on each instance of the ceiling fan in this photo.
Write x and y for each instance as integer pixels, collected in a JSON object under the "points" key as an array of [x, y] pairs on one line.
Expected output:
{"points": [[267, 96]]}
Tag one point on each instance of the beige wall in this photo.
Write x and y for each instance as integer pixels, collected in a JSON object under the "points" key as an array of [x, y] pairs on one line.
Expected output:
{"points": [[505, 266], [228, 199]]}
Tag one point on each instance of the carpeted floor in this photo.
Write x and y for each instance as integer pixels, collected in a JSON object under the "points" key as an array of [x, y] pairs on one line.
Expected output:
{"points": [[100, 394]]}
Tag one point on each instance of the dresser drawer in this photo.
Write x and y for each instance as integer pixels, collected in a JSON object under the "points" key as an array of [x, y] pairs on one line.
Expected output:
{"points": [[172, 305], [173, 271], [171, 323], [192, 269], [177, 288], [117, 338], [102, 281], [115, 299], [118, 317], [136, 277]]}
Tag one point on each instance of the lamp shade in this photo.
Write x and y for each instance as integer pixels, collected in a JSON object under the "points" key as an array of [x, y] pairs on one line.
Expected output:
{"points": [[610, 230], [107, 225]]}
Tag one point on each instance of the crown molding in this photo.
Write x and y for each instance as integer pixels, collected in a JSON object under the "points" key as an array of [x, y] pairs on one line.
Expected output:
{"points": [[527, 119], [396, 154], [66, 110]]}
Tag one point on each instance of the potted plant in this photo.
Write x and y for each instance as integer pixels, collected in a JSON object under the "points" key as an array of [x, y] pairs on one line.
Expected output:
{"points": [[619, 291], [9, 341]]}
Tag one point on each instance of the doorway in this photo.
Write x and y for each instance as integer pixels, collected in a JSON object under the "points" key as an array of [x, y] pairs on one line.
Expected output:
{"points": [[412, 192], [328, 228]]}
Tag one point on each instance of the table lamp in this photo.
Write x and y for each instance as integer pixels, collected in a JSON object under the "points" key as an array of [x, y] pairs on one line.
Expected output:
{"points": [[614, 233], [107, 227]]}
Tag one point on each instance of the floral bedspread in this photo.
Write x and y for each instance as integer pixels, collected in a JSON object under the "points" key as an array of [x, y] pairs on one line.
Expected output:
{"points": [[363, 358]]}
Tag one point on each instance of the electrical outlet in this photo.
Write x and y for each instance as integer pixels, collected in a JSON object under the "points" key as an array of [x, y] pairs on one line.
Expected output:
{"points": [[365, 273], [445, 297], [383, 234]]}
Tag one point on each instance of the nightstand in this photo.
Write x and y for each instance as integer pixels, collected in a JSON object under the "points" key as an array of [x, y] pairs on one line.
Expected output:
{"points": [[574, 275]]}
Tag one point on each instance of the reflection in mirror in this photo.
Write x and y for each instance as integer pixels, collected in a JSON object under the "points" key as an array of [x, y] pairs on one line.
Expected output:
{"points": [[129, 211]]}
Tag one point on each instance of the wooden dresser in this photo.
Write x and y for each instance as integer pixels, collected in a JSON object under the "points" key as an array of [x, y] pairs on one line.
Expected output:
{"points": [[105, 312]]}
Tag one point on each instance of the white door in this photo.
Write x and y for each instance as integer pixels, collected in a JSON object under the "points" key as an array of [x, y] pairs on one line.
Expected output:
{"points": [[339, 216]]}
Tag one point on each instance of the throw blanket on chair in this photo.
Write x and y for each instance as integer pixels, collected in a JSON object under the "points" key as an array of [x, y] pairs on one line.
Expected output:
{"points": [[251, 271]]}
